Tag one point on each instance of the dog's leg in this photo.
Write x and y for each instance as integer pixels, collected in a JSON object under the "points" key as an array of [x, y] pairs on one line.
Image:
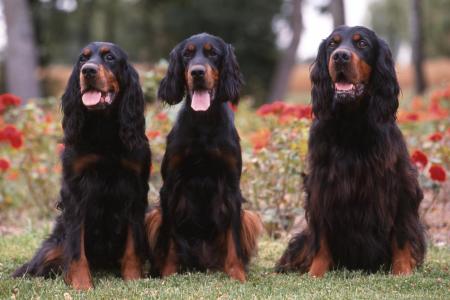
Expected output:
{"points": [[78, 275], [233, 265], [131, 263], [170, 265], [402, 260], [322, 261]]}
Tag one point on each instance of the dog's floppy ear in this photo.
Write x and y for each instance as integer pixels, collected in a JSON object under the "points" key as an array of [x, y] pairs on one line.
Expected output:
{"points": [[72, 108], [384, 88], [322, 92], [131, 109], [172, 87], [230, 77]]}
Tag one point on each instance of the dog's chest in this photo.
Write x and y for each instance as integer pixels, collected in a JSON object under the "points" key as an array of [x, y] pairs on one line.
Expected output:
{"points": [[206, 155]]}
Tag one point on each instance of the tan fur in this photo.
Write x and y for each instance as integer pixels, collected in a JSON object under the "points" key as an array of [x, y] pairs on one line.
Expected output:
{"points": [[78, 275], [83, 162], [131, 266], [402, 261], [170, 266], [53, 255], [322, 262], [134, 166], [252, 228], [233, 265], [153, 220]]}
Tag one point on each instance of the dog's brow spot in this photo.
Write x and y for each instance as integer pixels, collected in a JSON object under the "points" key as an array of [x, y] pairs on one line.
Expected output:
{"points": [[207, 46], [190, 47], [86, 51], [104, 50], [337, 38], [356, 37]]}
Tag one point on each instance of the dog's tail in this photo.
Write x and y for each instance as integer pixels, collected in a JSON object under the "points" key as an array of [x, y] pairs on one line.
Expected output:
{"points": [[298, 254], [47, 261], [251, 229]]}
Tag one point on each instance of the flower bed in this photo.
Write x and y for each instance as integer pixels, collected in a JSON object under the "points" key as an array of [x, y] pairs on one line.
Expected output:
{"points": [[274, 143]]}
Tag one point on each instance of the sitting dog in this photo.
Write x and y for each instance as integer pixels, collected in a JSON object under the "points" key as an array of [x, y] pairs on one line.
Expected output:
{"points": [[362, 190], [200, 224], [106, 166]]}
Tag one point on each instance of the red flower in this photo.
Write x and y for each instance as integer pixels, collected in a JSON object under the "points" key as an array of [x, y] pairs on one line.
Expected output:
{"points": [[11, 134], [4, 164], [435, 137], [152, 134], [10, 99], [412, 117], [437, 173], [298, 111], [260, 139], [162, 116], [419, 158], [285, 111], [48, 118], [16, 141], [274, 108]]}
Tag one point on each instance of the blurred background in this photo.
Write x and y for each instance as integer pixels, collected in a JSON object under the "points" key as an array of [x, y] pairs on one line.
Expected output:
{"points": [[275, 42]]}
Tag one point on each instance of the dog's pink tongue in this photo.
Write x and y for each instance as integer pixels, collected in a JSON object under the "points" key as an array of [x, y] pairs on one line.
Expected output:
{"points": [[91, 98], [342, 86], [200, 100]]}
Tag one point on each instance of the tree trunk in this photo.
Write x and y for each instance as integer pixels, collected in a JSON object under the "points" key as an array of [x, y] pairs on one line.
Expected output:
{"points": [[338, 12], [287, 61], [21, 52], [417, 46]]}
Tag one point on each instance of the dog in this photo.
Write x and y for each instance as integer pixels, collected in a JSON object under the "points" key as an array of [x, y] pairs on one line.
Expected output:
{"points": [[200, 224], [362, 192], [106, 165]]}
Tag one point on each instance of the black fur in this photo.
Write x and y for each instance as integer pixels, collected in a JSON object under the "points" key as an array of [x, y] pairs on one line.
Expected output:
{"points": [[105, 196], [362, 192], [201, 197]]}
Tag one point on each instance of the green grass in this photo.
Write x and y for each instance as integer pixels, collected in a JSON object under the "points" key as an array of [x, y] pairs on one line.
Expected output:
{"points": [[432, 281]]}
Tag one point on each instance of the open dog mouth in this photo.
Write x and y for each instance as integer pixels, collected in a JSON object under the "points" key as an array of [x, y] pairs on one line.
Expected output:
{"points": [[201, 99], [94, 98], [345, 88]]}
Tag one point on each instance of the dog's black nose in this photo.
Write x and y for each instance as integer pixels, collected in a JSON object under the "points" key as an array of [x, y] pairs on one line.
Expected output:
{"points": [[342, 56], [89, 70], [198, 71]]}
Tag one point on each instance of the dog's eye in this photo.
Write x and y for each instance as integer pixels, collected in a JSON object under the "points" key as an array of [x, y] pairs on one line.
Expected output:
{"points": [[187, 54], [109, 57], [82, 59], [211, 53], [362, 44], [332, 44]]}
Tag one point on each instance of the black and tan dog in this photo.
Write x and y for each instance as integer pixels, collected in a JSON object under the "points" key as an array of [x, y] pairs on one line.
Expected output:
{"points": [[200, 224], [362, 190], [106, 164]]}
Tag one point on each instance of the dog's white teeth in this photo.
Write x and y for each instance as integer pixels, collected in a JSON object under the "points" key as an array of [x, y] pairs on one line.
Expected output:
{"points": [[108, 98]]}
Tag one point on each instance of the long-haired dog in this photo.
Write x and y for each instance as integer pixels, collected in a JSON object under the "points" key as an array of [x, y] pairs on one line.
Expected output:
{"points": [[106, 166], [200, 224], [362, 193]]}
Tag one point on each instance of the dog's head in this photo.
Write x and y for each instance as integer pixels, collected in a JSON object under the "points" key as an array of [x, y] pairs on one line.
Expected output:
{"points": [[353, 64], [102, 81], [100, 67], [205, 68]]}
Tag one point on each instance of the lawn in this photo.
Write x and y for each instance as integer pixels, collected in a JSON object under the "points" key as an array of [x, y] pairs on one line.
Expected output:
{"points": [[274, 147], [432, 281]]}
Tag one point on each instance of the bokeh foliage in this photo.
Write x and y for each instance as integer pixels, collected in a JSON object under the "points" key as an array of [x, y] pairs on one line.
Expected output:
{"points": [[149, 29]]}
